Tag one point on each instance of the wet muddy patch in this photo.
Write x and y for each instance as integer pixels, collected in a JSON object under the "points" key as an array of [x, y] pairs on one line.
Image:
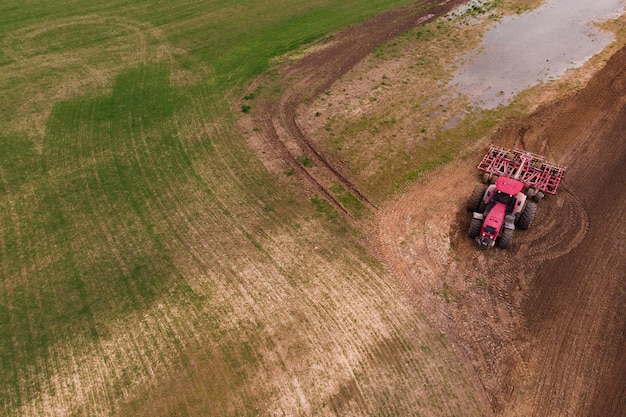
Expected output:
{"points": [[524, 50]]}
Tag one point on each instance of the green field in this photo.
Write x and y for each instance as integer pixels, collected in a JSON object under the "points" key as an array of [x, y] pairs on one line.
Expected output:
{"points": [[149, 264]]}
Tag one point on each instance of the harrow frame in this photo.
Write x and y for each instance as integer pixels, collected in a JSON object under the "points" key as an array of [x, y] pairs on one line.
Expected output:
{"points": [[527, 167]]}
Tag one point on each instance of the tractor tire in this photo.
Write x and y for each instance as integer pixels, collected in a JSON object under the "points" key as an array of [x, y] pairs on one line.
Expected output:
{"points": [[494, 178], [506, 237], [485, 177], [473, 204], [474, 228], [527, 216], [482, 206], [538, 197]]}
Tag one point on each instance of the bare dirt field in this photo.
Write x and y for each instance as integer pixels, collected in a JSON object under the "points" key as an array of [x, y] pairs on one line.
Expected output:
{"points": [[541, 325]]}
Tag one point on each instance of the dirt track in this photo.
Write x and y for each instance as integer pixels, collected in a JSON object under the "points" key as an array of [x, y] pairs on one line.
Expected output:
{"points": [[282, 139], [542, 325]]}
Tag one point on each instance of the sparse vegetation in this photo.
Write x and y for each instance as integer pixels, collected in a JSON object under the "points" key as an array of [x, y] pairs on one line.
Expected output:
{"points": [[347, 200], [150, 264], [305, 161]]}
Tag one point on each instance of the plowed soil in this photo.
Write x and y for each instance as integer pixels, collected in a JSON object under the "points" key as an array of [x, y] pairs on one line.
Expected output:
{"points": [[541, 324]]}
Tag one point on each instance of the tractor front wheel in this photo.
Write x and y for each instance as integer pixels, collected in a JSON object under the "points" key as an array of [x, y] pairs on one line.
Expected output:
{"points": [[475, 227], [505, 239]]}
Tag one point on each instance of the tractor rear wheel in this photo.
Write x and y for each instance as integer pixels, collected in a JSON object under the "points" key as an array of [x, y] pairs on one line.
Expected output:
{"points": [[506, 237], [473, 204], [526, 218], [475, 227]]}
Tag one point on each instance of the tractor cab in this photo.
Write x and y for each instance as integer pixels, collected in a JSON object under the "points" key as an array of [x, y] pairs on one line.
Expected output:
{"points": [[507, 191], [509, 185]]}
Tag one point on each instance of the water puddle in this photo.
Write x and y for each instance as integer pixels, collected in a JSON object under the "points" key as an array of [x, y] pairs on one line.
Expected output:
{"points": [[524, 50]]}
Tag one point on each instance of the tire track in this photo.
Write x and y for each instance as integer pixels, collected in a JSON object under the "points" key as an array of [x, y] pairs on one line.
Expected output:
{"points": [[280, 131], [413, 243], [559, 227]]}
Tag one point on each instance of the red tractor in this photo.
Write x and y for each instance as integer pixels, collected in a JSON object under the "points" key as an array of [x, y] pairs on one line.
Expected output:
{"points": [[516, 178]]}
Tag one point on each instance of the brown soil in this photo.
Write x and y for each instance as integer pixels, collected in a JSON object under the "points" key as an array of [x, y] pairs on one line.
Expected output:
{"points": [[542, 325]]}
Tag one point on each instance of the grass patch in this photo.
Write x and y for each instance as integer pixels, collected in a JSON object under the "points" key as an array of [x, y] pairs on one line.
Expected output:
{"points": [[305, 161], [323, 207], [347, 200]]}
